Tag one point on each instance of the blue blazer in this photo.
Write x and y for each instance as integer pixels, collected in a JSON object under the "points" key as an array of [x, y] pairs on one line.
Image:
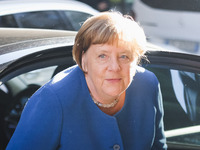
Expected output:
{"points": [[62, 115]]}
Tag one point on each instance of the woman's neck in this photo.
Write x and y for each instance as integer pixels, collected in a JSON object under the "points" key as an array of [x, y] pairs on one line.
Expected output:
{"points": [[113, 110]]}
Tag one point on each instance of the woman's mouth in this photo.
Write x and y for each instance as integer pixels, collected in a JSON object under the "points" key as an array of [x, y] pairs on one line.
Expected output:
{"points": [[115, 80]]}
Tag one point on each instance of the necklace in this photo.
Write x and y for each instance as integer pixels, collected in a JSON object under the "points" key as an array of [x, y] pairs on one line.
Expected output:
{"points": [[105, 105]]}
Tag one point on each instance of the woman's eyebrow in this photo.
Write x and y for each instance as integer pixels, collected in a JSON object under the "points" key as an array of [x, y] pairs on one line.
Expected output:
{"points": [[103, 50]]}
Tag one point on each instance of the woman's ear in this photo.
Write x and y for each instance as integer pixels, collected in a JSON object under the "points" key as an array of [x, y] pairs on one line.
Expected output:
{"points": [[84, 62]]}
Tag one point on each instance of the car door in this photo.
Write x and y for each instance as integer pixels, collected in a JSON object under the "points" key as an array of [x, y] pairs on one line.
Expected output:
{"points": [[178, 75], [182, 131], [26, 68]]}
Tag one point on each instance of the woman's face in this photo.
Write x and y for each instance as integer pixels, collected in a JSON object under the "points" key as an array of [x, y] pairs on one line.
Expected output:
{"points": [[109, 70]]}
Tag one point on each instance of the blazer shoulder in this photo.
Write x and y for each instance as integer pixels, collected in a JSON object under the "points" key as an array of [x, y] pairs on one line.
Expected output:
{"points": [[145, 75]]}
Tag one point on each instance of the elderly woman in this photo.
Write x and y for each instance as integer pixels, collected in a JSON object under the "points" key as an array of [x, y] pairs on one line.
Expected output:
{"points": [[105, 102]]}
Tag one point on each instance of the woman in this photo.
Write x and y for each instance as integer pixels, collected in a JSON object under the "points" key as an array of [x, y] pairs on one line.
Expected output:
{"points": [[105, 102]]}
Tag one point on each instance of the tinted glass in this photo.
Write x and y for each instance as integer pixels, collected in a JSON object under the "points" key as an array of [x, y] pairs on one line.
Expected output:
{"points": [[41, 19], [14, 95], [67, 20], [181, 100], [8, 21], [76, 18]]}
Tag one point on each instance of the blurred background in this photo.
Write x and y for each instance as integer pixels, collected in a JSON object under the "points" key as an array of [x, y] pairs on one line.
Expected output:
{"points": [[171, 24]]}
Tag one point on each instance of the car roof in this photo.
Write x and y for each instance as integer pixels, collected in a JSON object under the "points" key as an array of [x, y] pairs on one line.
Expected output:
{"points": [[27, 41], [16, 43], [17, 6], [16, 35]]}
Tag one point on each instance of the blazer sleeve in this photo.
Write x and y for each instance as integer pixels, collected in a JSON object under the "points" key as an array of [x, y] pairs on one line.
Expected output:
{"points": [[40, 124], [160, 139]]}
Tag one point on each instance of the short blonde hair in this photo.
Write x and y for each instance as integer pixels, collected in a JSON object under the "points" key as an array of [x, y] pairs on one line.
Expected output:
{"points": [[109, 28]]}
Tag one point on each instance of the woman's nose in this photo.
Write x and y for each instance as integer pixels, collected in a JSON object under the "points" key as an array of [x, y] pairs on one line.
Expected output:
{"points": [[114, 64]]}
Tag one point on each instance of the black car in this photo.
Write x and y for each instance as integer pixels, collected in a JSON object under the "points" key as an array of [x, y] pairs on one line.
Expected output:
{"points": [[31, 57]]}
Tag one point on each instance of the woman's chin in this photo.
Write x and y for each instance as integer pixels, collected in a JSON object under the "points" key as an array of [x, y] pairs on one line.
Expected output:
{"points": [[113, 93]]}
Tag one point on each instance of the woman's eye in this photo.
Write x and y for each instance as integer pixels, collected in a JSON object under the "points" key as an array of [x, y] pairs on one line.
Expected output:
{"points": [[102, 56], [124, 57]]}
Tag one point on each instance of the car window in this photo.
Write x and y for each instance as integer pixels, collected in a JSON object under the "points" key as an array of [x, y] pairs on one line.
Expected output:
{"points": [[36, 77], [181, 101], [8, 21], [66, 20], [19, 90], [39, 76], [41, 19], [76, 18]]}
